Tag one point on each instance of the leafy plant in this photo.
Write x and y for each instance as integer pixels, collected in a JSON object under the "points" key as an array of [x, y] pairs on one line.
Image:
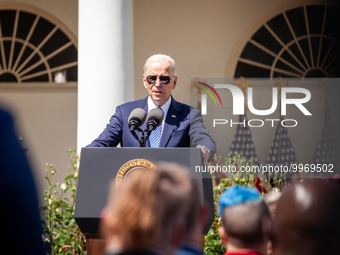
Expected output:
{"points": [[61, 232]]}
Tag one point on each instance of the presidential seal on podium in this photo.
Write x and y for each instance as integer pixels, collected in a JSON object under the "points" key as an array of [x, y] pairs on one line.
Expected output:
{"points": [[133, 165]]}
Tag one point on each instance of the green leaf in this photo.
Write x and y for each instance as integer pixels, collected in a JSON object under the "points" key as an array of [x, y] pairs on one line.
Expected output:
{"points": [[67, 189], [69, 177], [60, 227]]}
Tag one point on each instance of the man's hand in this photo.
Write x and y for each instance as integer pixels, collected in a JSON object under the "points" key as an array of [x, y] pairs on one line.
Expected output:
{"points": [[205, 153]]}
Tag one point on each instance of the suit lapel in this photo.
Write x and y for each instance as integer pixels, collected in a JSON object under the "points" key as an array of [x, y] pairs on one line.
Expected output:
{"points": [[171, 120], [144, 106]]}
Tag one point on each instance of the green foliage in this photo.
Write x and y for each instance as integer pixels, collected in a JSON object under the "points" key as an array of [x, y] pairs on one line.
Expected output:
{"points": [[212, 245], [61, 232]]}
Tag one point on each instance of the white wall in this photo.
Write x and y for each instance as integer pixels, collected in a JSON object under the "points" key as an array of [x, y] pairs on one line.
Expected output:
{"points": [[46, 119]]}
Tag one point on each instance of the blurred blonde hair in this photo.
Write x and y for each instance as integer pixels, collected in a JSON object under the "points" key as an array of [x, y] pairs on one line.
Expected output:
{"points": [[146, 206]]}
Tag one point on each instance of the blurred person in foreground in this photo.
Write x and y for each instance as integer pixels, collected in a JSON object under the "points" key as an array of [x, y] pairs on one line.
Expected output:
{"points": [[197, 215], [271, 200], [246, 220], [146, 212], [19, 217], [308, 219]]}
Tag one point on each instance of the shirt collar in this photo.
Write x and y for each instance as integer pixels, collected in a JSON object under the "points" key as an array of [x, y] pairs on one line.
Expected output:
{"points": [[165, 107]]}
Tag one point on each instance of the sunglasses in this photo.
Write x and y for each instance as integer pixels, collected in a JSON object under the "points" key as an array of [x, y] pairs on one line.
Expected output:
{"points": [[151, 79]]}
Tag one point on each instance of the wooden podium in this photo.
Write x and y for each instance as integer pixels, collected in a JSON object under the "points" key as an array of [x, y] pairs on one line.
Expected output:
{"points": [[98, 166]]}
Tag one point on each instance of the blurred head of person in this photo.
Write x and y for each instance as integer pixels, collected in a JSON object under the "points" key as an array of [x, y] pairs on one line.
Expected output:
{"points": [[246, 220], [271, 200], [307, 218], [195, 221], [147, 210]]}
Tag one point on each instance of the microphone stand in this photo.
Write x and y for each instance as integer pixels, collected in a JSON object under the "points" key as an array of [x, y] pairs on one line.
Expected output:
{"points": [[133, 132], [148, 133], [143, 138]]}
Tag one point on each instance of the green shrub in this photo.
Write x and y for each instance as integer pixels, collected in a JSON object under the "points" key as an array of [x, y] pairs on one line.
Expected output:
{"points": [[61, 232]]}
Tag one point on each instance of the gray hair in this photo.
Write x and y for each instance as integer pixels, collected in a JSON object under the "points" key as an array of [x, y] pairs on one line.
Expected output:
{"points": [[159, 57]]}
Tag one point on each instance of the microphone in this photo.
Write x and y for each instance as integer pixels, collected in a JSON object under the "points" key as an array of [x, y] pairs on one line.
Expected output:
{"points": [[136, 118], [154, 119]]}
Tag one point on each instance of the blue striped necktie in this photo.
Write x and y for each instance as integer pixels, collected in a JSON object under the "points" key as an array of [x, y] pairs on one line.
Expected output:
{"points": [[155, 136]]}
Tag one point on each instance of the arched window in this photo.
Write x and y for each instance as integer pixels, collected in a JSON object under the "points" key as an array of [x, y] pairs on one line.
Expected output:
{"points": [[300, 42], [35, 49]]}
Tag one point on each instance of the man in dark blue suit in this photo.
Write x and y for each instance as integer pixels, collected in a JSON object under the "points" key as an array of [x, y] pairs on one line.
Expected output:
{"points": [[182, 125]]}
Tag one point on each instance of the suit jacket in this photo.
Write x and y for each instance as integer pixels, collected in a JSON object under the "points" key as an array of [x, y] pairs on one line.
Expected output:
{"points": [[183, 127]]}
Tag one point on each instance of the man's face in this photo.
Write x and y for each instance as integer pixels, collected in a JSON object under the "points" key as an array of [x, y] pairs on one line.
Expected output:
{"points": [[158, 91]]}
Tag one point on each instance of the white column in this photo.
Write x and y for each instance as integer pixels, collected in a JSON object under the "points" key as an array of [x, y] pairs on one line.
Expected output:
{"points": [[105, 63]]}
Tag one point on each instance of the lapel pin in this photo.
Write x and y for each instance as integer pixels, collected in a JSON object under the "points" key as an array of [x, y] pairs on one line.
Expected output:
{"points": [[174, 116]]}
